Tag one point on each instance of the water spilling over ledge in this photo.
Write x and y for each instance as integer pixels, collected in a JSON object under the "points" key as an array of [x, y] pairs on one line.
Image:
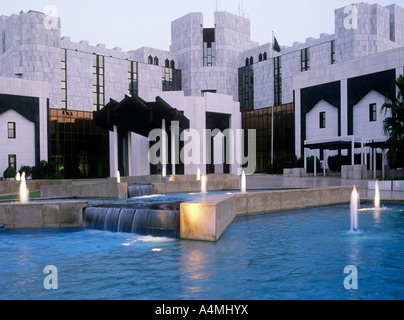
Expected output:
{"points": [[140, 190], [140, 221]]}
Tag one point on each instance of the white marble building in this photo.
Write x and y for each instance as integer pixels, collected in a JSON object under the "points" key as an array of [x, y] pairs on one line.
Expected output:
{"points": [[80, 78]]}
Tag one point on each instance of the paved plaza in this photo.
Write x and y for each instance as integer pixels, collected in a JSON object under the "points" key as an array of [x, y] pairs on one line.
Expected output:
{"points": [[278, 181]]}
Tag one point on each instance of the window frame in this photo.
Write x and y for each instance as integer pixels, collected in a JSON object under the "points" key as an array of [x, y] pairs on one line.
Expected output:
{"points": [[322, 120], [305, 59], [12, 164], [333, 52], [12, 132], [372, 112]]}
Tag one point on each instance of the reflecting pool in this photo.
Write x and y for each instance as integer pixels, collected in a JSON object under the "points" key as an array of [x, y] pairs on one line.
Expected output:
{"points": [[289, 255]]}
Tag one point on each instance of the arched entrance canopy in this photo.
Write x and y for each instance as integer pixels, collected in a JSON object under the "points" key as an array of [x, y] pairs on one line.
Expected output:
{"points": [[138, 116]]}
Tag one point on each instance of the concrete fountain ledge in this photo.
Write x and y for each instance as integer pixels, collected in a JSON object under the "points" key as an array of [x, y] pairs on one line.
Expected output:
{"points": [[38, 215], [207, 219]]}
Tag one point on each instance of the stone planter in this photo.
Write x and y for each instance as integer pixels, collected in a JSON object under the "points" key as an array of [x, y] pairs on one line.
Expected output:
{"points": [[398, 185], [295, 172], [383, 185]]}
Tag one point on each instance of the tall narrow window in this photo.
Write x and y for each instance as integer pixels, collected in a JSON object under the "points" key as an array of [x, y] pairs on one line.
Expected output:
{"points": [[333, 52], [322, 120], [12, 161], [246, 88], [277, 81], [373, 112], [132, 78], [209, 47], [64, 78], [172, 79], [150, 60], [11, 130], [156, 61], [98, 82], [305, 59]]}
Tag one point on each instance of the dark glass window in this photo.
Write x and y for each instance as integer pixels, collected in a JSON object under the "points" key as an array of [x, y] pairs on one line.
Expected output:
{"points": [[77, 147], [98, 82], [12, 161], [150, 60], [209, 47], [11, 128], [260, 57], [64, 78], [265, 56], [283, 131], [322, 120], [372, 112], [305, 59], [132, 78], [172, 79], [333, 52], [246, 87], [277, 81], [156, 61]]}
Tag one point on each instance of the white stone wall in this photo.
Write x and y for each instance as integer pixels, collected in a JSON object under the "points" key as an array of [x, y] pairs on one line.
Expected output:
{"points": [[363, 128], [195, 109], [23, 146], [393, 59], [313, 130]]}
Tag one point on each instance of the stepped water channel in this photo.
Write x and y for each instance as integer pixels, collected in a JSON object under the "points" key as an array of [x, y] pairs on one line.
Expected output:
{"points": [[156, 218]]}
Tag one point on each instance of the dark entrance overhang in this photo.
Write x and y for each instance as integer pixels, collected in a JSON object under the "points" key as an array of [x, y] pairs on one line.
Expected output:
{"points": [[332, 145], [138, 116], [378, 144], [345, 144]]}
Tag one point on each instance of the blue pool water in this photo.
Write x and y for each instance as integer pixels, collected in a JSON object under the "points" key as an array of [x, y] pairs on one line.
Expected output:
{"points": [[290, 255]]}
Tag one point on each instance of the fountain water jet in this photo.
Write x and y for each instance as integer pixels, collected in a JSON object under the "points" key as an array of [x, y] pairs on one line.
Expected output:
{"points": [[204, 182], [243, 183], [118, 177], [354, 209], [23, 189], [198, 175], [377, 195]]}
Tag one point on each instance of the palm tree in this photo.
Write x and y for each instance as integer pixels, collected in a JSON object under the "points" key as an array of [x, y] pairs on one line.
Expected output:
{"points": [[394, 125]]}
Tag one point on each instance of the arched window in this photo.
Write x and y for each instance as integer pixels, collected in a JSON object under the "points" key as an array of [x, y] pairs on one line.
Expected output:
{"points": [[265, 56], [260, 57], [251, 61], [150, 60], [172, 64], [167, 63], [247, 62], [156, 61]]}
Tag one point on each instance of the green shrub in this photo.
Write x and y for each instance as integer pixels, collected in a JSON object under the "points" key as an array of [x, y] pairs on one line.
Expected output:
{"points": [[310, 164], [9, 173], [281, 162], [42, 171], [26, 169]]}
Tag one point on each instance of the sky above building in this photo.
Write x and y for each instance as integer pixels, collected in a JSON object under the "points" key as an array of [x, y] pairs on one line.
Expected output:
{"points": [[137, 23]]}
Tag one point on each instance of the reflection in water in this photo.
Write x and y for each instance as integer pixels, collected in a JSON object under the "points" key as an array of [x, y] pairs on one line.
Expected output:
{"points": [[194, 262]]}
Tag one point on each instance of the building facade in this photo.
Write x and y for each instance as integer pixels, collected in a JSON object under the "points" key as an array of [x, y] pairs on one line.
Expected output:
{"points": [[329, 87]]}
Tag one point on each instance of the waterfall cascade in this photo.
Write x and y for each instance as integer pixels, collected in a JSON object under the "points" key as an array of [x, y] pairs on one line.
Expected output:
{"points": [[141, 221], [140, 190]]}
